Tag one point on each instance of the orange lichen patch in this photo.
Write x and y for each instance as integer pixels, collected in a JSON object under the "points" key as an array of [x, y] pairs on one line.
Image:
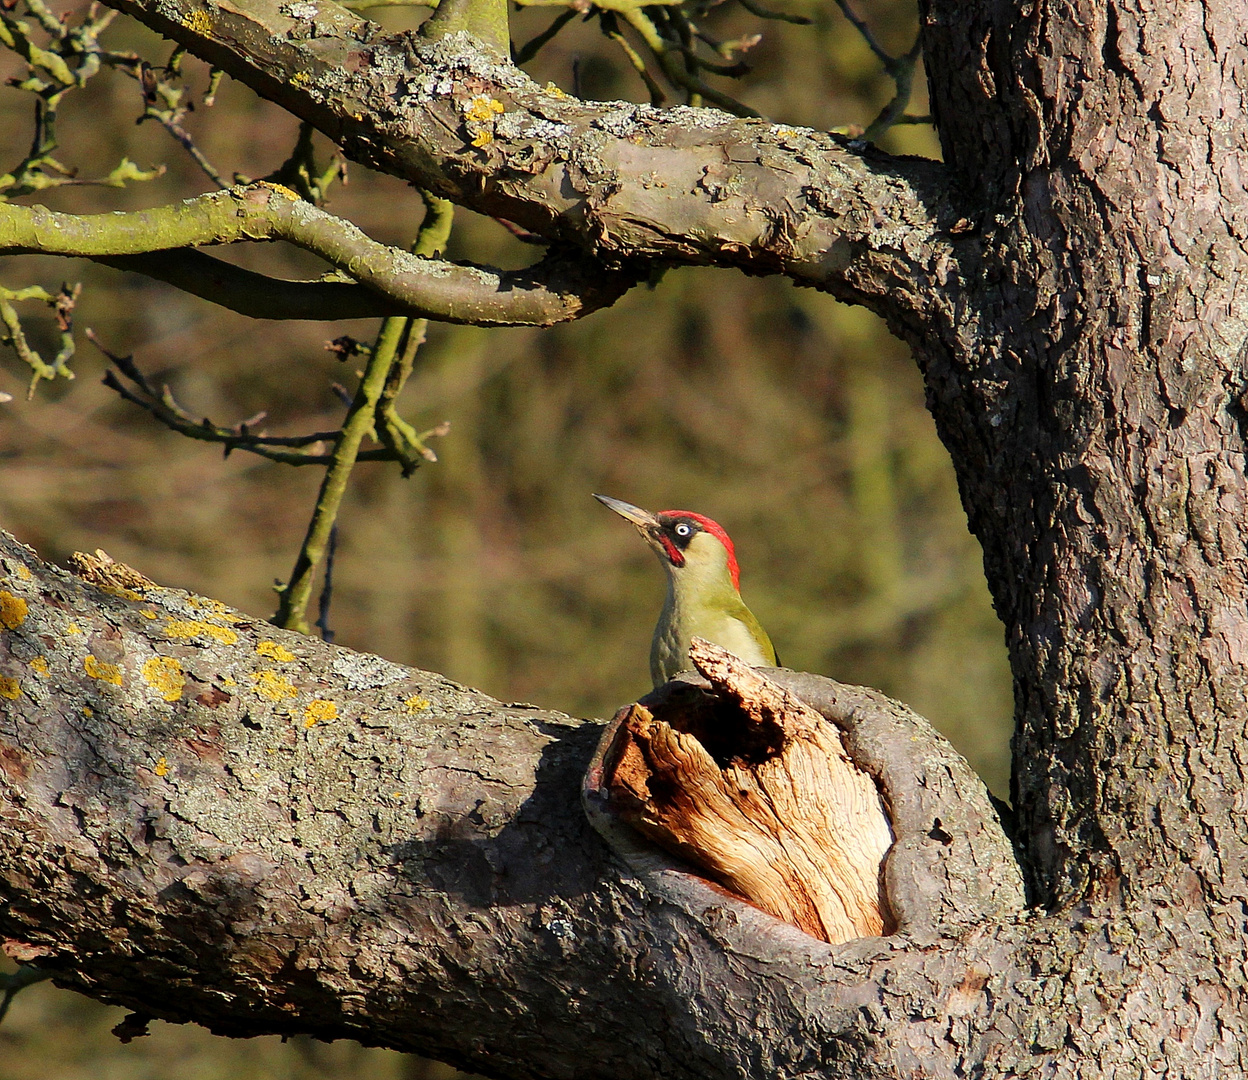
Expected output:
{"points": [[319, 710], [164, 675], [39, 665], [272, 686], [274, 651], [13, 610], [482, 138], [185, 629], [162, 767], [100, 669], [9, 687], [416, 703]]}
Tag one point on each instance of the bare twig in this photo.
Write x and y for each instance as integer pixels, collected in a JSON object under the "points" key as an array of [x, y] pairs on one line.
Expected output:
{"points": [[163, 102], [160, 403], [371, 414], [71, 57], [884, 57], [12, 334], [327, 587], [766, 13], [24, 976], [901, 71], [610, 27], [526, 53]]}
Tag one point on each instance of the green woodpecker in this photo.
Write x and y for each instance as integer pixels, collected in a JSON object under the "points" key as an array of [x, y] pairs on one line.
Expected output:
{"points": [[703, 597]]}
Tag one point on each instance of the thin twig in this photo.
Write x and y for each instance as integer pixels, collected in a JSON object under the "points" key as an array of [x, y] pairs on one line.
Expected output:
{"points": [[393, 348], [24, 976], [902, 74], [885, 58], [766, 13], [672, 62], [160, 403], [327, 588], [611, 28], [526, 52]]}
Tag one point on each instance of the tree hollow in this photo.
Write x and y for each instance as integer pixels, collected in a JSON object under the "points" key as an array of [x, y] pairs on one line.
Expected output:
{"points": [[755, 789]]}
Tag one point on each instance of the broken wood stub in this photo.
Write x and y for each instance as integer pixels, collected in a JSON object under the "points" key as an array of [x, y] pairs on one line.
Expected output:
{"points": [[755, 789]]}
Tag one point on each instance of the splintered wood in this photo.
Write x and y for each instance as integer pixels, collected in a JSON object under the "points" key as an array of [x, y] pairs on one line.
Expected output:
{"points": [[755, 789]]}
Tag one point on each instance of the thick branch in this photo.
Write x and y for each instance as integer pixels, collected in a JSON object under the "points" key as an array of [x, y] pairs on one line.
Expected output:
{"points": [[208, 819], [557, 288], [683, 185]]}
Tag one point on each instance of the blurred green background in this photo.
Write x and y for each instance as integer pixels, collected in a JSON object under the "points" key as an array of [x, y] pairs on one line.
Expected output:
{"points": [[796, 422]]}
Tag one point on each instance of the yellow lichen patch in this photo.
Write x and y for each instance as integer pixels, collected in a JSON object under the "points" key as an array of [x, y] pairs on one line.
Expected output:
{"points": [[300, 78], [293, 196], [87, 711], [162, 767], [147, 613], [12, 610], [185, 629], [272, 686], [482, 138], [102, 670], [23, 573], [164, 675], [73, 628], [416, 703], [198, 22], [39, 665], [228, 680], [214, 609], [554, 91], [274, 651], [117, 590], [9, 687], [319, 710], [482, 108]]}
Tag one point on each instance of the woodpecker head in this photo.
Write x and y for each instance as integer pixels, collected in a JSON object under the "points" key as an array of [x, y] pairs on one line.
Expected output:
{"points": [[689, 545]]}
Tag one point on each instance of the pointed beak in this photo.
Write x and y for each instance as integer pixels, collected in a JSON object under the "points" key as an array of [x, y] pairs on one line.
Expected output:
{"points": [[644, 521]]}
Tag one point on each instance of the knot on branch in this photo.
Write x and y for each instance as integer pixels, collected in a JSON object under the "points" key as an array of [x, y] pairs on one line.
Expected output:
{"points": [[831, 807]]}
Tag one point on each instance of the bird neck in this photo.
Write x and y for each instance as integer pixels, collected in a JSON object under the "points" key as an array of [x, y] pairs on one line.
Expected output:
{"points": [[705, 580]]}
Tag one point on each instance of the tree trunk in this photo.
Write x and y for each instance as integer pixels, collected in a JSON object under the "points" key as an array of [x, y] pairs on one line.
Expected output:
{"points": [[1089, 387], [301, 839]]}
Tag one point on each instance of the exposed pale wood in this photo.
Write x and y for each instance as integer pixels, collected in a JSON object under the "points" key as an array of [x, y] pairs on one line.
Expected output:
{"points": [[755, 788]]}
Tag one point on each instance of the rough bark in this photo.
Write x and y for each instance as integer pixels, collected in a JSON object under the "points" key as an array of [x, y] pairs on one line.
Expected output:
{"points": [[1080, 316], [208, 819], [622, 182], [1090, 390]]}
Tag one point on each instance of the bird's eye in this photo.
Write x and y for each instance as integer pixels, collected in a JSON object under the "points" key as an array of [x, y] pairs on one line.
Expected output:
{"points": [[684, 530]]}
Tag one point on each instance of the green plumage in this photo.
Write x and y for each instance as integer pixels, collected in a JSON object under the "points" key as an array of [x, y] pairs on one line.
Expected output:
{"points": [[702, 597], [703, 602]]}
